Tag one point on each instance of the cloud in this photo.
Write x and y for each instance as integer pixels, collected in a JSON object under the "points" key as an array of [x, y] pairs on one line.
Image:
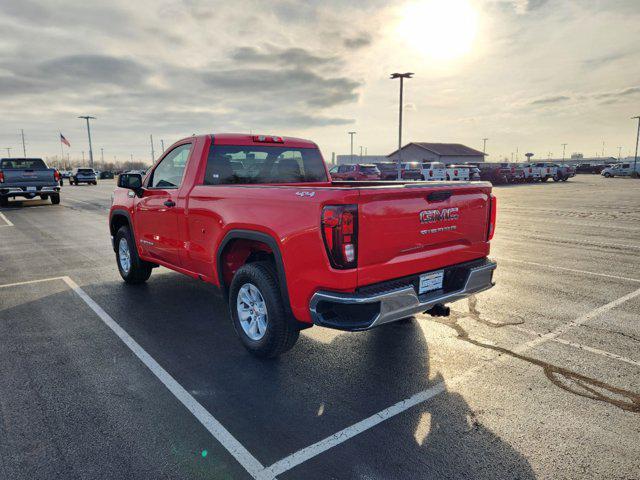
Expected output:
{"points": [[617, 94], [295, 56], [550, 100], [361, 40]]}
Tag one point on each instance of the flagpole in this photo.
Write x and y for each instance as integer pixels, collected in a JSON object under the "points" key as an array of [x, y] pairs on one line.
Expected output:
{"points": [[61, 150]]}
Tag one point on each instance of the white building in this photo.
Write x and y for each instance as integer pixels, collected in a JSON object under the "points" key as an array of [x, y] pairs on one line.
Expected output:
{"points": [[437, 152]]}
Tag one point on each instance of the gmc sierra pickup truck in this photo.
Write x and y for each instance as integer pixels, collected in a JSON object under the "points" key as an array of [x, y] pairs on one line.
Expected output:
{"points": [[260, 217], [28, 178]]}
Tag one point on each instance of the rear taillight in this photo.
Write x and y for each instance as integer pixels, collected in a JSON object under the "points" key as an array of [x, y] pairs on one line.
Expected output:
{"points": [[431, 173], [1, 177], [493, 205], [56, 175], [455, 172], [340, 235]]}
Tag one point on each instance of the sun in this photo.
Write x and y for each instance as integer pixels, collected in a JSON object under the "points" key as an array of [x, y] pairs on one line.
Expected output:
{"points": [[439, 29]]}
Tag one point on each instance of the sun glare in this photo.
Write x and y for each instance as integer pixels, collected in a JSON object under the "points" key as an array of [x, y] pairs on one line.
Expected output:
{"points": [[440, 29]]}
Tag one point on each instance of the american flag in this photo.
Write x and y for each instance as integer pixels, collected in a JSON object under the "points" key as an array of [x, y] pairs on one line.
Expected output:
{"points": [[64, 140]]}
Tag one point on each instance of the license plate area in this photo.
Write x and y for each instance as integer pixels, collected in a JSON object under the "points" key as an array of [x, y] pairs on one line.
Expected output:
{"points": [[31, 189], [430, 282]]}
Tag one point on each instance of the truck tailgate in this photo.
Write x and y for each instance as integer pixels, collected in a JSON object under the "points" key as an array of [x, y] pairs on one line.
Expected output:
{"points": [[404, 231], [19, 178]]}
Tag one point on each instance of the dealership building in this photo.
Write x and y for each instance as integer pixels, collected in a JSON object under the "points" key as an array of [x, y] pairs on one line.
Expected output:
{"points": [[437, 152]]}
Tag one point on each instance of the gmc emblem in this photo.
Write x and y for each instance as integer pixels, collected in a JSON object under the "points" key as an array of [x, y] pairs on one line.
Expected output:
{"points": [[429, 216]]}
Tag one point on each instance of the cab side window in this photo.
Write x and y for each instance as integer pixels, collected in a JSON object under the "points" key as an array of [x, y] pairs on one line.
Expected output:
{"points": [[169, 172]]}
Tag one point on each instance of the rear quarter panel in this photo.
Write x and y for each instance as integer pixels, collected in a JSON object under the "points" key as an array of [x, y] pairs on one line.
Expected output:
{"points": [[289, 216]]}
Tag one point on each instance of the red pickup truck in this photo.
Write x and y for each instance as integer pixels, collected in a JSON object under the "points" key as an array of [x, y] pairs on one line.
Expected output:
{"points": [[259, 217]]}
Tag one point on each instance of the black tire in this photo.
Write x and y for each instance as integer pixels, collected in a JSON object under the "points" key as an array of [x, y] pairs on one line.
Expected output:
{"points": [[556, 179], [139, 270], [55, 198], [4, 201], [281, 330], [564, 179], [607, 175], [544, 179]]}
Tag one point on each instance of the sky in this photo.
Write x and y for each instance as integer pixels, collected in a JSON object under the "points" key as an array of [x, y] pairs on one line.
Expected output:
{"points": [[529, 75]]}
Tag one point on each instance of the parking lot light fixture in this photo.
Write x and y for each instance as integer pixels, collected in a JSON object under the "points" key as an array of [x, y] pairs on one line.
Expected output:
{"points": [[401, 76], [87, 118]]}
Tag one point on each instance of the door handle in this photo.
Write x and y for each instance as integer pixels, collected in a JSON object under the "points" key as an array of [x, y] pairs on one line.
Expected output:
{"points": [[169, 203]]}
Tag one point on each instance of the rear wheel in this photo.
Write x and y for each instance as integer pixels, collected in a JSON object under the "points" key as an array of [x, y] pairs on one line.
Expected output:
{"points": [[132, 269], [55, 198], [44, 197], [4, 201], [258, 312], [607, 174]]}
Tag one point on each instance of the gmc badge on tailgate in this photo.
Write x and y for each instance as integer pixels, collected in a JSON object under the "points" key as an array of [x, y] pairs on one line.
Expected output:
{"points": [[429, 216]]}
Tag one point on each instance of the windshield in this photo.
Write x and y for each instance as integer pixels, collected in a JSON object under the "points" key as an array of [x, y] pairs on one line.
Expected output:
{"points": [[231, 164], [22, 164]]}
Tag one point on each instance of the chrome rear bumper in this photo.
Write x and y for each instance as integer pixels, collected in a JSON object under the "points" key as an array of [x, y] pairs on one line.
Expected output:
{"points": [[357, 311]]}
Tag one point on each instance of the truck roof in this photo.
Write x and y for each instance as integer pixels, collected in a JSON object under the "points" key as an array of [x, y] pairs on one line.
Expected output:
{"points": [[260, 139]]}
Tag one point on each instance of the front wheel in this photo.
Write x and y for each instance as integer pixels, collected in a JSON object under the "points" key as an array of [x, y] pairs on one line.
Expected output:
{"points": [[55, 198], [258, 312], [132, 269]]}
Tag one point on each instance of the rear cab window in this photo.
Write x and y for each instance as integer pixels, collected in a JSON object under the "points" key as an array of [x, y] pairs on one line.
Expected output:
{"points": [[22, 164], [369, 169], [263, 164]]}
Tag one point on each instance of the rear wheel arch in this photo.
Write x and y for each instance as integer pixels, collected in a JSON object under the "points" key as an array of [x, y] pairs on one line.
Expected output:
{"points": [[259, 253]]}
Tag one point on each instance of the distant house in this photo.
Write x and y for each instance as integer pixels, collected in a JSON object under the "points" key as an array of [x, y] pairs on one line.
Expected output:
{"points": [[437, 152]]}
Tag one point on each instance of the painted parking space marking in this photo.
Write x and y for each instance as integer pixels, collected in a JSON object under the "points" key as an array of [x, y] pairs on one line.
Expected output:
{"points": [[573, 270], [342, 436], [208, 421], [7, 222]]}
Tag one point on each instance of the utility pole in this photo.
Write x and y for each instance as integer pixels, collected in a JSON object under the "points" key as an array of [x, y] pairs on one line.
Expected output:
{"points": [[603, 149], [619, 152], [132, 157], [9, 152], [87, 118], [484, 145], [102, 154], [24, 148], [365, 151], [83, 158], [162, 144], [564, 146], [635, 161], [360, 151], [401, 76], [153, 154], [351, 134]]}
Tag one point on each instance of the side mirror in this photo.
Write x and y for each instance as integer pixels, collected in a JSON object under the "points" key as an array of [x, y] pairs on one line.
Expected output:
{"points": [[131, 181]]}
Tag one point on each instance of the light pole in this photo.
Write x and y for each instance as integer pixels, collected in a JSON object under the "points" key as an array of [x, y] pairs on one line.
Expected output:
{"points": [[484, 145], [9, 152], [401, 76], [635, 160], [351, 134], [24, 147], [619, 153], [564, 146], [87, 118], [360, 151]]}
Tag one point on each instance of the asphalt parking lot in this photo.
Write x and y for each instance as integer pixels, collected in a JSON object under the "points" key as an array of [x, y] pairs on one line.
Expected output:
{"points": [[536, 378]]}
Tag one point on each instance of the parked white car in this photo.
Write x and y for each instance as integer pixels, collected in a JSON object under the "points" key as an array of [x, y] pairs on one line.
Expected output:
{"points": [[547, 170], [531, 173], [619, 170], [435, 171], [458, 173]]}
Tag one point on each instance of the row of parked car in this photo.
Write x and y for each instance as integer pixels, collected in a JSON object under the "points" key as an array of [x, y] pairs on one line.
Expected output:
{"points": [[438, 171]]}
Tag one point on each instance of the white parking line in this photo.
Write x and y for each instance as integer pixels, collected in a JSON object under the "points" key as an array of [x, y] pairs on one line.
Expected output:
{"points": [[580, 346], [556, 267], [342, 436], [221, 434], [7, 221], [28, 282]]}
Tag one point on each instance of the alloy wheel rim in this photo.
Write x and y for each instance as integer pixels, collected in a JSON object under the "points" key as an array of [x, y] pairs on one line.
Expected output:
{"points": [[252, 311], [124, 255]]}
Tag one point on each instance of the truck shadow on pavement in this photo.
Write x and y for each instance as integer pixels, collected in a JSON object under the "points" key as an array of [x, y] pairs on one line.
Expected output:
{"points": [[329, 381]]}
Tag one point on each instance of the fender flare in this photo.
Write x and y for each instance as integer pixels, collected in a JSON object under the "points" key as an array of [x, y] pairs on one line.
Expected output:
{"points": [[275, 248], [119, 212]]}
